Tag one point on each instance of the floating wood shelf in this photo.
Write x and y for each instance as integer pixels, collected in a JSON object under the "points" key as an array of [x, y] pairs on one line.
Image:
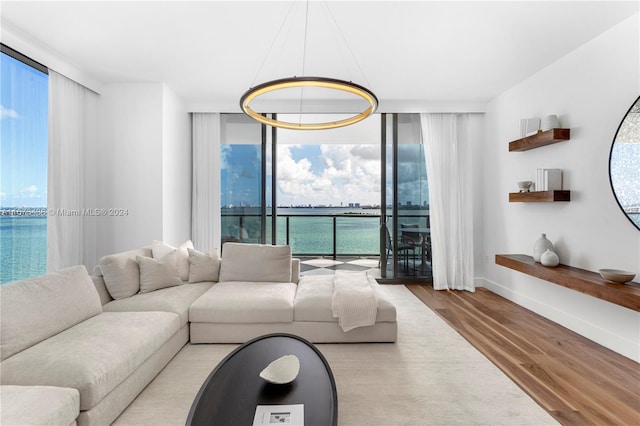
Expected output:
{"points": [[587, 282], [539, 196], [540, 139]]}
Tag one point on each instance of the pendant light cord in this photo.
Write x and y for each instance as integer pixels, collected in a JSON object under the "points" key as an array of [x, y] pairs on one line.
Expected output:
{"points": [[304, 58], [273, 43]]}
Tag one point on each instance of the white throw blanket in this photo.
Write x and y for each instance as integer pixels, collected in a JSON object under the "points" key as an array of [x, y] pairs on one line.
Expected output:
{"points": [[354, 302]]}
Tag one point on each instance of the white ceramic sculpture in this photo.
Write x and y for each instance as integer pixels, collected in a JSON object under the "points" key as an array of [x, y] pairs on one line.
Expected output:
{"points": [[540, 246], [283, 370], [549, 122], [549, 258]]}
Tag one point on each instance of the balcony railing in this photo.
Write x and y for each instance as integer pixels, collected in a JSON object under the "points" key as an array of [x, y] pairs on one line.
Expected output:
{"points": [[344, 234]]}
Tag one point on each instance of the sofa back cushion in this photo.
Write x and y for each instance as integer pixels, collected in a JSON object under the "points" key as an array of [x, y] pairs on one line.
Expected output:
{"points": [[38, 308], [255, 263], [121, 272]]}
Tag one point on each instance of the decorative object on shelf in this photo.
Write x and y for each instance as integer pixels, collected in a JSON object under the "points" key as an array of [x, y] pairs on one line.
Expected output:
{"points": [[525, 185], [540, 246], [549, 122], [549, 258], [549, 180], [616, 275], [624, 163], [529, 126], [283, 370]]}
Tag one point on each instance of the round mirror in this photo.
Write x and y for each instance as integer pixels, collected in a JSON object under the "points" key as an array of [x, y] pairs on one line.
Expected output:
{"points": [[624, 164]]}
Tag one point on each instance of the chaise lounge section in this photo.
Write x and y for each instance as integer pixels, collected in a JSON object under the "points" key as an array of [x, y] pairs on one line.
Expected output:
{"points": [[260, 292]]}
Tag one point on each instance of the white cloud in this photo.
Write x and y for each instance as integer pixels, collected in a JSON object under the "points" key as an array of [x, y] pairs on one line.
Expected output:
{"points": [[7, 112], [350, 173]]}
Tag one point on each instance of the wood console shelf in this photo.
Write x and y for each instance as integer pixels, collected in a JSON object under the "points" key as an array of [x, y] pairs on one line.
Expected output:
{"points": [[540, 139], [539, 196], [587, 282]]}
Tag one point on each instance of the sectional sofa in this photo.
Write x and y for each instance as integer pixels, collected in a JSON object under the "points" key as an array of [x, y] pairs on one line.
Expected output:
{"points": [[78, 348]]}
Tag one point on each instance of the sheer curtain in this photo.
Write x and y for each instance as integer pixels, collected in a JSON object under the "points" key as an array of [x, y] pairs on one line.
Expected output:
{"points": [[205, 200], [72, 136], [449, 170]]}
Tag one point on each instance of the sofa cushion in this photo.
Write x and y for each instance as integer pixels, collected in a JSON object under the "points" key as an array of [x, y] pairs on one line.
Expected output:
{"points": [[38, 405], [245, 302], [94, 356], [315, 292], [159, 249], [203, 266], [172, 299], [255, 263], [38, 308], [121, 272], [158, 273]]}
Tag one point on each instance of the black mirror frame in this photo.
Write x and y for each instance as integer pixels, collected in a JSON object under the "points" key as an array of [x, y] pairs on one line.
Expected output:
{"points": [[611, 153]]}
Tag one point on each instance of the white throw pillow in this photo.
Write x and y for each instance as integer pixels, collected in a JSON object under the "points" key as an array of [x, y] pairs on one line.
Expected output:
{"points": [[160, 249], [255, 263], [121, 272], [158, 273], [203, 267]]}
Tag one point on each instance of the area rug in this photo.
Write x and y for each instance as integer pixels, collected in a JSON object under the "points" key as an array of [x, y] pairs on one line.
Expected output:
{"points": [[430, 376]]}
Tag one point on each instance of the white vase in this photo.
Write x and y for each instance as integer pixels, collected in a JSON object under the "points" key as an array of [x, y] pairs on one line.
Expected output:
{"points": [[549, 122], [549, 258], [540, 246]]}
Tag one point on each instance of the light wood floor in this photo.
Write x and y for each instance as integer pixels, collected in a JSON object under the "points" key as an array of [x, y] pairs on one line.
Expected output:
{"points": [[576, 380]]}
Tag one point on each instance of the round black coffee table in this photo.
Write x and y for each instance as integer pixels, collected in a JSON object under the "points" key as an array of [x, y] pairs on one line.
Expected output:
{"points": [[233, 390]]}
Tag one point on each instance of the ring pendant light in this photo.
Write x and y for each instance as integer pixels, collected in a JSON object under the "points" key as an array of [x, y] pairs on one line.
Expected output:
{"points": [[318, 82], [305, 82]]}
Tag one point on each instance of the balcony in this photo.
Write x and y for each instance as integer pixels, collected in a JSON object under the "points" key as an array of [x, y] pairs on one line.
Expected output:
{"points": [[325, 242]]}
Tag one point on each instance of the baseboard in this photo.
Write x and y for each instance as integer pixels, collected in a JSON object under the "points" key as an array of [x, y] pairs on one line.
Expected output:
{"points": [[588, 330]]}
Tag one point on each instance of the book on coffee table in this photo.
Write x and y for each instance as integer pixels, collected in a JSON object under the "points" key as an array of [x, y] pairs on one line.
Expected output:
{"points": [[290, 415]]}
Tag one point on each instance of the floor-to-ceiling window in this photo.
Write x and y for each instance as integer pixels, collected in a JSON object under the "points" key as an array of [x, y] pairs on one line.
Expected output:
{"points": [[23, 166], [327, 188], [241, 166]]}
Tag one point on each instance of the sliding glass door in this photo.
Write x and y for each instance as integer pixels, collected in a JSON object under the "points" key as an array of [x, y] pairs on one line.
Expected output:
{"points": [[359, 190], [405, 227]]}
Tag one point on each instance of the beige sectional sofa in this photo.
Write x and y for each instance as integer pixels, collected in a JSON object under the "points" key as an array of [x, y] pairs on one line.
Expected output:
{"points": [[90, 344]]}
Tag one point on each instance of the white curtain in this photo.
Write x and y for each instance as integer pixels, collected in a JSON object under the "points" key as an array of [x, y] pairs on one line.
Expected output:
{"points": [[72, 134], [205, 200], [449, 170]]}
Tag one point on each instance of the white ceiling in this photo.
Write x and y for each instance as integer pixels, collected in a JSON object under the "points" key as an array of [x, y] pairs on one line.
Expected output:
{"points": [[210, 52]]}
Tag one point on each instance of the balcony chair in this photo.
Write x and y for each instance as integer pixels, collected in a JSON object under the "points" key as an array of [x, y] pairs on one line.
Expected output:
{"points": [[401, 248]]}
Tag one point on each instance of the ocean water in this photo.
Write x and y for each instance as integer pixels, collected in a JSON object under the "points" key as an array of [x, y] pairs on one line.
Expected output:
{"points": [[357, 230], [23, 247], [23, 239]]}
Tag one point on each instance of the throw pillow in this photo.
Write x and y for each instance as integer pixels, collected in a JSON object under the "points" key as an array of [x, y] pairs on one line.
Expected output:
{"points": [[203, 267], [255, 263], [160, 249], [158, 273], [121, 272]]}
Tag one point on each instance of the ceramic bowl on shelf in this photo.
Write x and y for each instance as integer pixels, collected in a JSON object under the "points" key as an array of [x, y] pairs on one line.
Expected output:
{"points": [[616, 275], [525, 185]]}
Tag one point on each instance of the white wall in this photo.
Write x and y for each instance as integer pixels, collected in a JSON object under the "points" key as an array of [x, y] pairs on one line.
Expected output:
{"points": [[129, 173], [590, 89], [176, 166], [143, 166]]}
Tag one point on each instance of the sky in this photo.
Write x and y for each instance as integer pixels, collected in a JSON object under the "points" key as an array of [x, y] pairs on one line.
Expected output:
{"points": [[23, 133], [321, 174]]}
